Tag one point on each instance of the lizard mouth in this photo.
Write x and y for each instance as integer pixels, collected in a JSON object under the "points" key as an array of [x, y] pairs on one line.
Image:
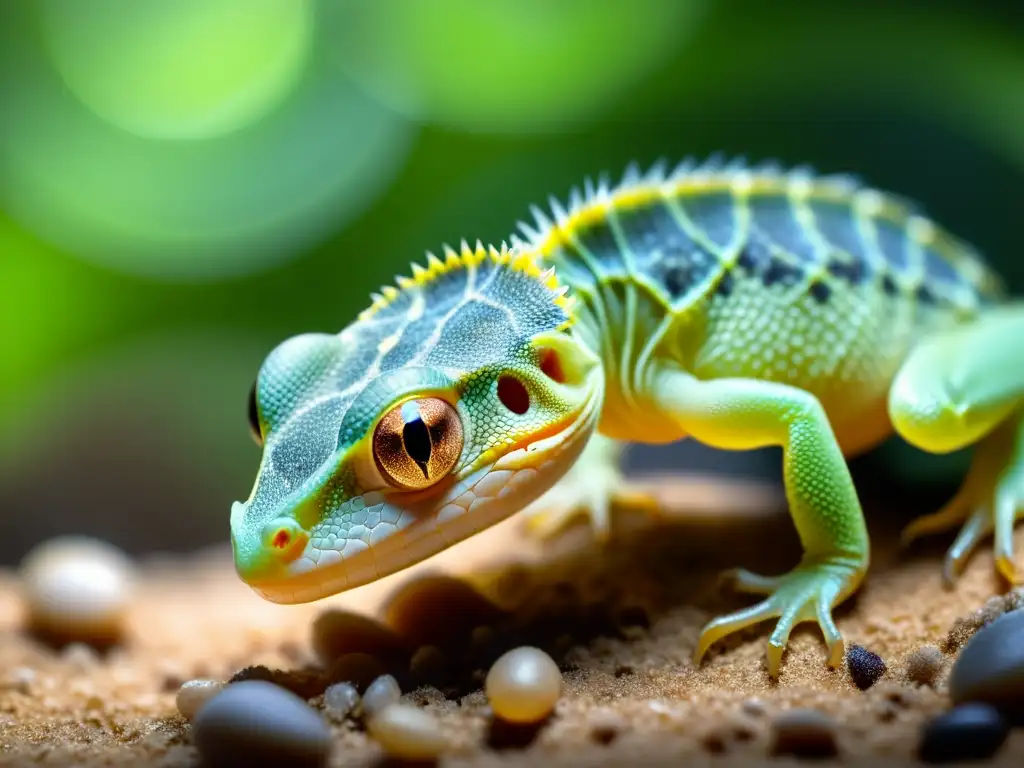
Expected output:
{"points": [[485, 497]]}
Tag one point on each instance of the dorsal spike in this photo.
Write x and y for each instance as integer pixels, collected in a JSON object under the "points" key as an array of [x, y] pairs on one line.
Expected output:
{"points": [[560, 214], [631, 175]]}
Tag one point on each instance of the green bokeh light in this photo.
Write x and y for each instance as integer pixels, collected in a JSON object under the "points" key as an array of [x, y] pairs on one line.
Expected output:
{"points": [[187, 69], [201, 209], [518, 65]]}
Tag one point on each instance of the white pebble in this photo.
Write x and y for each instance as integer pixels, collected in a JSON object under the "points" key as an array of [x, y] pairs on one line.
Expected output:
{"points": [[77, 587], [524, 685], [340, 699], [381, 693], [193, 694], [407, 732]]}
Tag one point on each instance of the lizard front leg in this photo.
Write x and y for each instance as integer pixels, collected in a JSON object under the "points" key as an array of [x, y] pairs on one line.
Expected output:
{"points": [[743, 414], [964, 387], [591, 487]]}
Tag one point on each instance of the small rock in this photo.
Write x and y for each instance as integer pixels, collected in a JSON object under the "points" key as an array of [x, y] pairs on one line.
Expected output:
{"points": [[753, 707], [360, 669], [256, 723], [605, 725], [194, 694], [20, 680], [972, 731], [523, 685], [340, 699], [381, 693], [77, 588], [865, 667], [407, 732], [990, 667], [804, 733], [924, 665]]}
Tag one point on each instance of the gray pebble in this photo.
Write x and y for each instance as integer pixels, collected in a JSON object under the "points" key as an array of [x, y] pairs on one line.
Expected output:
{"points": [[990, 667], [972, 731], [804, 733], [340, 699], [255, 723], [381, 693]]}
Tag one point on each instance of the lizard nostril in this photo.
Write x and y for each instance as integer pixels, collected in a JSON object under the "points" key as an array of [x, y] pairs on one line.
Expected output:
{"points": [[285, 538]]}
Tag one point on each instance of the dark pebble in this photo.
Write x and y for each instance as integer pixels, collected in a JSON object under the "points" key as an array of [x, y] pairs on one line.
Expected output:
{"points": [[972, 731], [865, 667], [804, 733], [990, 667], [256, 723]]}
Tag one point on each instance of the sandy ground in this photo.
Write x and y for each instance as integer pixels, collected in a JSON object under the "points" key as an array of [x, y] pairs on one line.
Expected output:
{"points": [[622, 621]]}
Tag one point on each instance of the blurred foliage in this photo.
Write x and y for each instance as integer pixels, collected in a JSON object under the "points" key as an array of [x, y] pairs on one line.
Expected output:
{"points": [[183, 184]]}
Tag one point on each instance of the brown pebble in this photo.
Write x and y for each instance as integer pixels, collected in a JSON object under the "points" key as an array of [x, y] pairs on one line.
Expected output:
{"points": [[360, 669], [407, 732], [924, 665], [804, 733], [605, 725], [194, 694], [428, 665]]}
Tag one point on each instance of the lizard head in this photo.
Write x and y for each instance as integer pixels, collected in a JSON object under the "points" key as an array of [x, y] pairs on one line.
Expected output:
{"points": [[452, 402]]}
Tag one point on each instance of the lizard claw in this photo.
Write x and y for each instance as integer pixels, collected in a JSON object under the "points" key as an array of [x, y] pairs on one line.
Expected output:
{"points": [[806, 593]]}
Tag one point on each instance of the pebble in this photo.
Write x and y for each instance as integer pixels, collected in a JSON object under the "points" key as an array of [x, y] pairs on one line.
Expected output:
{"points": [[195, 693], [255, 723], [77, 588], [407, 732], [340, 699], [523, 685], [865, 667], [381, 693], [804, 733], [972, 731], [924, 665], [990, 668]]}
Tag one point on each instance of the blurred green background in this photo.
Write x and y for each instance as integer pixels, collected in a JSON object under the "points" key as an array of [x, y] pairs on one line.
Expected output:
{"points": [[185, 183]]}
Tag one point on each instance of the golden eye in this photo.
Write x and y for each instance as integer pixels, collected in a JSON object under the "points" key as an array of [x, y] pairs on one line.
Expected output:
{"points": [[418, 442]]}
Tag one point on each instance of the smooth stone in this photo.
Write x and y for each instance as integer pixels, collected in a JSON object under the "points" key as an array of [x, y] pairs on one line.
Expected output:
{"points": [[973, 731], [804, 733], [990, 667], [256, 723]]}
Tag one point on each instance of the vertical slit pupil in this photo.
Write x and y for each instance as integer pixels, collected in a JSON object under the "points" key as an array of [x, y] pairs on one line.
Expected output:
{"points": [[416, 438]]}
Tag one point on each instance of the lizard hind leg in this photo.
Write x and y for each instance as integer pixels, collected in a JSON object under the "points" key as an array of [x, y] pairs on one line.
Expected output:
{"points": [[966, 387], [592, 487]]}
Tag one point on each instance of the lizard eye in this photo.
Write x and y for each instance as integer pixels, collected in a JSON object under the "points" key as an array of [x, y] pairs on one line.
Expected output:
{"points": [[254, 417], [417, 443]]}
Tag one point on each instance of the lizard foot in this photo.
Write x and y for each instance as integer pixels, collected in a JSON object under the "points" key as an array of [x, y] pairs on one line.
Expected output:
{"points": [[980, 514], [807, 593]]}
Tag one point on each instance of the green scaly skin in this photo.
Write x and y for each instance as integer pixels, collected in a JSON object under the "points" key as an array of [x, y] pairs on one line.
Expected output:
{"points": [[740, 306]]}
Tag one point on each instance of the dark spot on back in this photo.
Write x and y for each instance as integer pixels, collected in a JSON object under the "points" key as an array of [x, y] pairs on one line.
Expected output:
{"points": [[725, 284], [925, 295], [889, 285], [779, 271], [676, 280], [820, 291], [853, 271]]}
